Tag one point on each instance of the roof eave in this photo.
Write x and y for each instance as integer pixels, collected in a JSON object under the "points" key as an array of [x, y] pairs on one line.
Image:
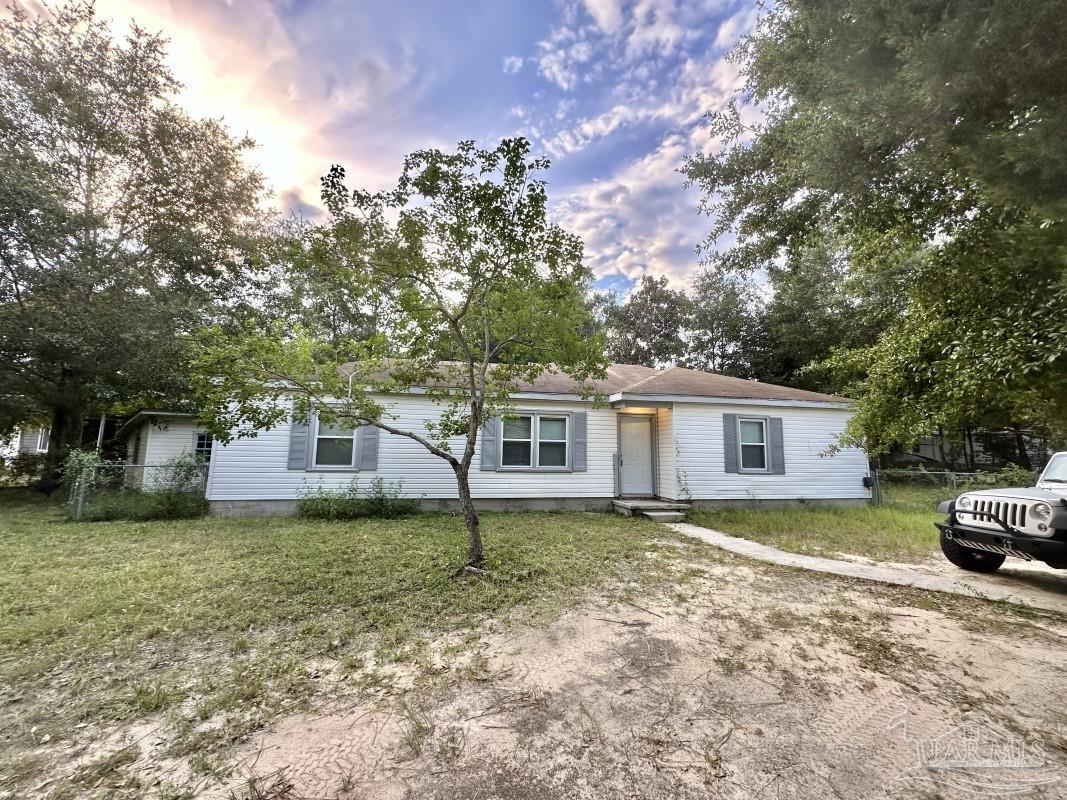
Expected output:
{"points": [[135, 420], [620, 397]]}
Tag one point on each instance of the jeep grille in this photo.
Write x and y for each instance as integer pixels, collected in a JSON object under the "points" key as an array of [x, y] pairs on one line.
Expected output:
{"points": [[1012, 513]]}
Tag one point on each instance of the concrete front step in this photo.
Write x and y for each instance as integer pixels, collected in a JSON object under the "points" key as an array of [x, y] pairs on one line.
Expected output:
{"points": [[664, 516], [658, 510]]}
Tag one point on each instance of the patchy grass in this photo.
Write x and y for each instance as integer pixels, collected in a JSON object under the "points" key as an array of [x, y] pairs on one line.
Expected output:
{"points": [[901, 530], [210, 627]]}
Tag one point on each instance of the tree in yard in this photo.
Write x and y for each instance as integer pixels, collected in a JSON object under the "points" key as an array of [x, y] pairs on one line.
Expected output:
{"points": [[648, 327], [925, 141], [475, 292], [121, 220]]}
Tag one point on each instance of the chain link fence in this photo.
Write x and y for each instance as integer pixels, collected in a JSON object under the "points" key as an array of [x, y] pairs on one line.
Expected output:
{"points": [[926, 488], [115, 490]]}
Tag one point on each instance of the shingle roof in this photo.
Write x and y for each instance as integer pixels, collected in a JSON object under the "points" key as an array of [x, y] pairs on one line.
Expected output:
{"points": [[631, 379], [637, 381]]}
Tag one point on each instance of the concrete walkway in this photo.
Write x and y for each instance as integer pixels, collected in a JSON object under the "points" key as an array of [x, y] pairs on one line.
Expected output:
{"points": [[987, 587]]}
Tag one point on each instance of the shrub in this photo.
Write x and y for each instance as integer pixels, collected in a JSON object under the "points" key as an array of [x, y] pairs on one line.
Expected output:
{"points": [[21, 469], [134, 504], [382, 500]]}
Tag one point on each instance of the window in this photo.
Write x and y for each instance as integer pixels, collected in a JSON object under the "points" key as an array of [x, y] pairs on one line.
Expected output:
{"points": [[42, 440], [334, 444], [516, 443], [521, 432], [752, 439], [1056, 471], [202, 449], [551, 441]]}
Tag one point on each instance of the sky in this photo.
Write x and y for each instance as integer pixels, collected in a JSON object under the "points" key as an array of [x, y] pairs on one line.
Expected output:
{"points": [[615, 92]]}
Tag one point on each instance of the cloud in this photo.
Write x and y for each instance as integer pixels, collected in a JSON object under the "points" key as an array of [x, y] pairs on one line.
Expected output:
{"points": [[563, 54], [639, 220], [626, 84], [607, 14], [659, 26], [307, 101]]}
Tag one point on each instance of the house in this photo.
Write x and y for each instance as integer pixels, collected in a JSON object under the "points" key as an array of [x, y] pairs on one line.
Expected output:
{"points": [[154, 439], [97, 432], [674, 434]]}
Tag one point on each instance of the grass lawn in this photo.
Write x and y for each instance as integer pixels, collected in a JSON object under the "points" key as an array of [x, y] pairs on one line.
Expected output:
{"points": [[902, 529], [209, 626]]}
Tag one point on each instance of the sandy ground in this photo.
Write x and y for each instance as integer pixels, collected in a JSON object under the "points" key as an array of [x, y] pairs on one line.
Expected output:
{"points": [[748, 682]]}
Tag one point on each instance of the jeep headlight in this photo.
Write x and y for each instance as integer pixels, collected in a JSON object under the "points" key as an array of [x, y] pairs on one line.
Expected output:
{"points": [[966, 502], [1041, 511]]}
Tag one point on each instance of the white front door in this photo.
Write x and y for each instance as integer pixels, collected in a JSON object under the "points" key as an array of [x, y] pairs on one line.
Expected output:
{"points": [[635, 456]]}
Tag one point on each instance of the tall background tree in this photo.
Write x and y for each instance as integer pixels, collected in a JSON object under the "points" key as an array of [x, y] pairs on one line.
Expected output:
{"points": [[925, 141], [723, 324], [122, 220], [647, 328], [475, 291]]}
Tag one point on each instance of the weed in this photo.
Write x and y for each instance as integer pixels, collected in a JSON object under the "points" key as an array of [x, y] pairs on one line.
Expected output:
{"points": [[170, 791], [417, 725], [275, 786], [382, 500], [731, 666], [108, 770], [149, 698]]}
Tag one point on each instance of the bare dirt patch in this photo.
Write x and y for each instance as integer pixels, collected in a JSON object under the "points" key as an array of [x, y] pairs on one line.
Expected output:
{"points": [[750, 682]]}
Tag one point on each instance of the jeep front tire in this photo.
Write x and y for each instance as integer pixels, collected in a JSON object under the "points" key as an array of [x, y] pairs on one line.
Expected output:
{"points": [[968, 559]]}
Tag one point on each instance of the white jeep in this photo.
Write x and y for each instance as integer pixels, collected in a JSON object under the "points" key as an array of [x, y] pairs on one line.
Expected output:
{"points": [[985, 527]]}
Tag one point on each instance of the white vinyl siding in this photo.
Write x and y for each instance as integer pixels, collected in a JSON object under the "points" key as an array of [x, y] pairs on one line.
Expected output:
{"points": [[667, 478], [153, 445], [256, 469], [689, 449], [168, 439], [807, 432]]}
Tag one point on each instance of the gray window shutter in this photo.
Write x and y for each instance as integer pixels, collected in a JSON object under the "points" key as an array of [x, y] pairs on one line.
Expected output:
{"points": [[491, 444], [367, 455], [777, 446], [729, 441], [299, 445], [579, 442]]}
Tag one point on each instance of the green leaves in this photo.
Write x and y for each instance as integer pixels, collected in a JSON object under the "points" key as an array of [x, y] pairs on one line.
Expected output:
{"points": [[924, 142], [124, 223]]}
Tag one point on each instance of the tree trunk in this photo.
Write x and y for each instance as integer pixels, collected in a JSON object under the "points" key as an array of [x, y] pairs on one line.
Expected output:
{"points": [[1020, 445], [475, 556], [64, 434]]}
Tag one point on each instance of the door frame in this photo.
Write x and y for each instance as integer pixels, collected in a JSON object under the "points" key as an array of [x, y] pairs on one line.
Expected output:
{"points": [[654, 454]]}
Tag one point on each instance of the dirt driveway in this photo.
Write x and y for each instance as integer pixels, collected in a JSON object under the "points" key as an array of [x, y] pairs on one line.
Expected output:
{"points": [[1031, 581], [745, 681]]}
